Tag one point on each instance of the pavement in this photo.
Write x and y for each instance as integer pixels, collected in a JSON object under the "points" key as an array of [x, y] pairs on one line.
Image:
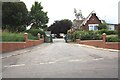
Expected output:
{"points": [[60, 60]]}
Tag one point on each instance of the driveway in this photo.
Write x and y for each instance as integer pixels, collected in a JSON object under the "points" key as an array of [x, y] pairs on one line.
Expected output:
{"points": [[61, 60]]}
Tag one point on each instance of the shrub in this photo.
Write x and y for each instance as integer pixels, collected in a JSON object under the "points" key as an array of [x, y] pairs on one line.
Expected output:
{"points": [[34, 32], [108, 32], [90, 35], [31, 37], [12, 37], [86, 35], [112, 39]]}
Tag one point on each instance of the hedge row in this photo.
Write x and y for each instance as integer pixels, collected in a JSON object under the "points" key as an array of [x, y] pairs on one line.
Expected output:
{"points": [[86, 35], [12, 37], [16, 37], [95, 35], [112, 39], [108, 32]]}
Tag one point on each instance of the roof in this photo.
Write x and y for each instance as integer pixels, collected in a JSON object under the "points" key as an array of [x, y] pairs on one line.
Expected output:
{"points": [[85, 21]]}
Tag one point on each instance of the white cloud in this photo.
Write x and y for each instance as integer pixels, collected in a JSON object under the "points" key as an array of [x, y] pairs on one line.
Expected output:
{"points": [[60, 9]]}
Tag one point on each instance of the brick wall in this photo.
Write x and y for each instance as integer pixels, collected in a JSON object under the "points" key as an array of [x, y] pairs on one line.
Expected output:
{"points": [[100, 43], [11, 46]]}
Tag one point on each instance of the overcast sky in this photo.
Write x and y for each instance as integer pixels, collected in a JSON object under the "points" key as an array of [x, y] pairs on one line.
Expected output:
{"points": [[64, 9]]}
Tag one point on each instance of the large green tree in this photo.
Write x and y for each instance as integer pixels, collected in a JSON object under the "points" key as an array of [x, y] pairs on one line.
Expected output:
{"points": [[61, 26], [14, 16], [38, 17]]}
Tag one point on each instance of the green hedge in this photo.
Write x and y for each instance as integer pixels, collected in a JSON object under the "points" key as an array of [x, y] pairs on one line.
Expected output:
{"points": [[31, 37], [16, 37], [86, 35], [35, 32], [108, 32], [112, 39], [12, 37]]}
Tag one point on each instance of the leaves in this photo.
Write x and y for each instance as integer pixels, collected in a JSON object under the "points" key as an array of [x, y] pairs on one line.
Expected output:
{"points": [[39, 18], [13, 15], [61, 26]]}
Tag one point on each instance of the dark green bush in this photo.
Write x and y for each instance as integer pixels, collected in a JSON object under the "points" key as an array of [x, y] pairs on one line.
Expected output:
{"points": [[86, 35], [31, 37], [108, 32], [90, 35], [112, 39], [35, 32]]}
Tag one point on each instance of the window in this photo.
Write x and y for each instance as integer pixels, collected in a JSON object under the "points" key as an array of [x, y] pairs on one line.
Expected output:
{"points": [[93, 26], [111, 27]]}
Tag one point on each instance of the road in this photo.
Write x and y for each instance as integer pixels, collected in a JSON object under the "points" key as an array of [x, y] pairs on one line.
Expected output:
{"points": [[61, 60]]}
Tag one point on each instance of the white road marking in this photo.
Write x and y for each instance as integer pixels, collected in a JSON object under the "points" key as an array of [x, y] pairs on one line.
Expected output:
{"points": [[75, 60], [51, 62], [15, 65], [48, 63], [42, 63], [98, 59]]}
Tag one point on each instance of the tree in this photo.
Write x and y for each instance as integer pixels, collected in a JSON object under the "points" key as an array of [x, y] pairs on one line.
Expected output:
{"points": [[102, 26], [14, 16], [65, 25], [38, 17], [61, 26]]}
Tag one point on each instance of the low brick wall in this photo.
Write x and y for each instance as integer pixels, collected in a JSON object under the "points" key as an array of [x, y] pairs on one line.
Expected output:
{"points": [[100, 43], [112, 45], [96, 43], [11, 46]]}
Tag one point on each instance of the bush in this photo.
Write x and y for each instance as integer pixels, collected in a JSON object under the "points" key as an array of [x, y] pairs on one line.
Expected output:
{"points": [[12, 37], [31, 37], [108, 32], [86, 35], [90, 35], [35, 32], [112, 39]]}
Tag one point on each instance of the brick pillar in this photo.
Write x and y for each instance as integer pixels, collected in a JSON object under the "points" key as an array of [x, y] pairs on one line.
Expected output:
{"points": [[38, 36], [42, 36], [104, 39], [26, 37]]}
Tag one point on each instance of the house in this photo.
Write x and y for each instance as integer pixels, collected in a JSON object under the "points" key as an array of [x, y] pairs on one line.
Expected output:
{"points": [[112, 26], [91, 22]]}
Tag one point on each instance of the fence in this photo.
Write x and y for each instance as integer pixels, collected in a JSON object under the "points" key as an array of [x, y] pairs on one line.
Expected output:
{"points": [[100, 43], [11, 46]]}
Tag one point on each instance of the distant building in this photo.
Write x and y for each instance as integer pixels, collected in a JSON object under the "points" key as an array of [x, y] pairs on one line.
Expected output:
{"points": [[112, 26], [91, 23]]}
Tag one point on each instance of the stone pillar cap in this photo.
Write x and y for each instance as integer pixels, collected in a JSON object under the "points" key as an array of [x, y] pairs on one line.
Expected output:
{"points": [[38, 33], [25, 33], [104, 33]]}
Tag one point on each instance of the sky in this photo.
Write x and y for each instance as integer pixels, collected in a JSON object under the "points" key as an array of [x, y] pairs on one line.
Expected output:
{"points": [[64, 9]]}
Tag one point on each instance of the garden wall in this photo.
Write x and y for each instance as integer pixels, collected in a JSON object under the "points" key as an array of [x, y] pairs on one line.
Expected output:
{"points": [[11, 46], [100, 43]]}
